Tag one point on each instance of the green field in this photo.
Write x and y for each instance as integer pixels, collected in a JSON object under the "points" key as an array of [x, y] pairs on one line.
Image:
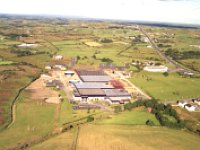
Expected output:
{"points": [[33, 120], [127, 130], [137, 116], [122, 137], [6, 62], [172, 87], [179, 40], [60, 142]]}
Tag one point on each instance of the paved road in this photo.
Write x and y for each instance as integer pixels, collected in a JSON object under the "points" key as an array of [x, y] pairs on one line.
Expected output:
{"points": [[168, 59]]}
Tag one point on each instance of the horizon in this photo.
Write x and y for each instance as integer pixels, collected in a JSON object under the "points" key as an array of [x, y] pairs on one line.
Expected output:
{"points": [[181, 11]]}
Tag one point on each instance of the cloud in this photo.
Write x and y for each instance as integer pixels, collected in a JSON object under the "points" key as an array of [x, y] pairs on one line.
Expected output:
{"points": [[172, 0]]}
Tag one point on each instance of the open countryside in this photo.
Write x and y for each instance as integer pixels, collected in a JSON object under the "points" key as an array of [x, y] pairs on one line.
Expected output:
{"points": [[98, 85]]}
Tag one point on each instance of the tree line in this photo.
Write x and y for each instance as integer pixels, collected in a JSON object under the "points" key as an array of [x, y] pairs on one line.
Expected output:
{"points": [[161, 111]]}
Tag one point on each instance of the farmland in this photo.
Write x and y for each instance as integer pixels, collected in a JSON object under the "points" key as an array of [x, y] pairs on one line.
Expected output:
{"points": [[180, 44], [138, 137], [172, 87], [25, 126], [60, 142], [6, 62], [137, 116], [90, 45]]}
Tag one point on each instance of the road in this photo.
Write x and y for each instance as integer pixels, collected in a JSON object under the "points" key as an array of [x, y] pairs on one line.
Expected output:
{"points": [[138, 89], [64, 85], [166, 58]]}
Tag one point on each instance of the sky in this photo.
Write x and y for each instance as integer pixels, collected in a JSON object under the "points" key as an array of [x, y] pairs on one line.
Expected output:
{"points": [[172, 11]]}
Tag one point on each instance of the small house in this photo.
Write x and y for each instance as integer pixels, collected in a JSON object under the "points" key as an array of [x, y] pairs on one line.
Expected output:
{"points": [[58, 57], [190, 107], [197, 101], [156, 68], [181, 104], [60, 67]]}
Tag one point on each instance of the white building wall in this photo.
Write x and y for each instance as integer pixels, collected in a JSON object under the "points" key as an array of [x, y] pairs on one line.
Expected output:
{"points": [[156, 69], [88, 99], [192, 108]]}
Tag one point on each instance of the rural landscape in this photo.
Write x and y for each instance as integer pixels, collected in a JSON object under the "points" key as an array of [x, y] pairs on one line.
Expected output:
{"points": [[86, 84]]}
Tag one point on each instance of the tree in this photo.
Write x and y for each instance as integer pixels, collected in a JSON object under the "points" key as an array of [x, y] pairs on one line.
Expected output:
{"points": [[90, 118], [78, 57], [150, 123], [88, 111], [166, 74], [107, 60], [94, 56], [128, 106], [117, 109]]}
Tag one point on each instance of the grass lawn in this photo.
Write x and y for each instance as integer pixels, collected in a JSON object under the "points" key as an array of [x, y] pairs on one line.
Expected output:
{"points": [[33, 120], [67, 114], [61, 142], [122, 137], [137, 116], [6, 62], [172, 87]]}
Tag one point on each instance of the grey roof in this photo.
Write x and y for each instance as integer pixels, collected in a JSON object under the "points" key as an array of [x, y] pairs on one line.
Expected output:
{"points": [[92, 85], [104, 78], [91, 92], [90, 72], [116, 92]]}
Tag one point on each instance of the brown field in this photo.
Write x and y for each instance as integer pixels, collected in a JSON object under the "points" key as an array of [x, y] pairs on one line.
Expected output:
{"points": [[13, 78], [122, 137], [39, 91]]}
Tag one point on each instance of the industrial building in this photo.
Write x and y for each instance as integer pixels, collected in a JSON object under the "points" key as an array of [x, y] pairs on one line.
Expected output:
{"points": [[96, 85]]}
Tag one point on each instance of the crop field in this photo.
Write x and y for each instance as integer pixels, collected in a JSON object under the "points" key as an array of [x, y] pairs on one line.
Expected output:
{"points": [[60, 142], [173, 87], [125, 137], [93, 44], [137, 116]]}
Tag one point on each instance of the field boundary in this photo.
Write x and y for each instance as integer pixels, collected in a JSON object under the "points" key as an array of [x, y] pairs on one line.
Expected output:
{"points": [[74, 144], [13, 105]]}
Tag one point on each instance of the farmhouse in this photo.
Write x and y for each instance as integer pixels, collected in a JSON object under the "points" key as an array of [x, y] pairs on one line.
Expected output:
{"points": [[60, 67], [58, 57], [156, 68], [181, 104], [190, 107], [144, 39], [197, 101], [25, 45]]}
